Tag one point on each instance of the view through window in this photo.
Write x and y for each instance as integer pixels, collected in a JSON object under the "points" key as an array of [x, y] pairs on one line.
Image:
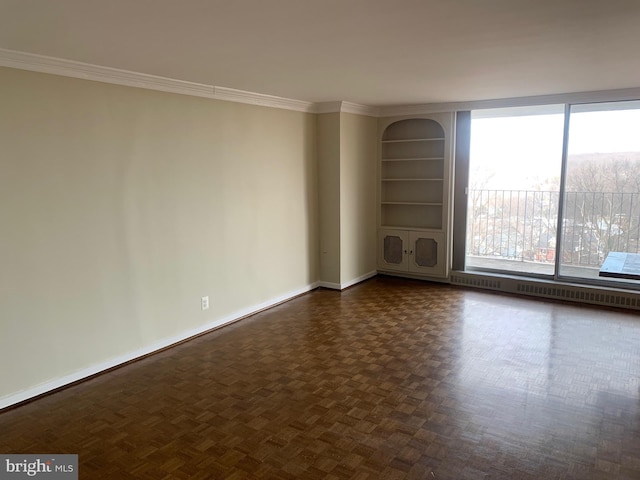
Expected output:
{"points": [[602, 200], [515, 189]]}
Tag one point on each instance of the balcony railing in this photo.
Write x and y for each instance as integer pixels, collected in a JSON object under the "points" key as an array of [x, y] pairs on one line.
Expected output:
{"points": [[521, 225]]}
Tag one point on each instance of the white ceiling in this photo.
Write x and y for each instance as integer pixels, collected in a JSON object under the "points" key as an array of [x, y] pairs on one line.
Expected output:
{"points": [[372, 52]]}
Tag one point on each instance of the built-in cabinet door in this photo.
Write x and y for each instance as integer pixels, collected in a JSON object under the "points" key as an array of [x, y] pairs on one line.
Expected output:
{"points": [[427, 253], [412, 251], [393, 251]]}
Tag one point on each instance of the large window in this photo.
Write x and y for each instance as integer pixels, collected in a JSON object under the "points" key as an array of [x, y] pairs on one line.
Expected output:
{"points": [[522, 190], [514, 189], [601, 211]]}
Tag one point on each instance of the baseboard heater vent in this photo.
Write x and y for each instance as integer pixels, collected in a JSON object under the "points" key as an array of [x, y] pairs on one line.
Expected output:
{"points": [[546, 289], [477, 281]]}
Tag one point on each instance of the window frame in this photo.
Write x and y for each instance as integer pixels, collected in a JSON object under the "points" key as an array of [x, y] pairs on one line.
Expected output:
{"points": [[461, 189]]}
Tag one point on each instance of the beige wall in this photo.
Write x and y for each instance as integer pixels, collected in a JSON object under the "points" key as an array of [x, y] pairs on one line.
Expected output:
{"points": [[121, 207], [358, 155], [347, 159], [329, 196]]}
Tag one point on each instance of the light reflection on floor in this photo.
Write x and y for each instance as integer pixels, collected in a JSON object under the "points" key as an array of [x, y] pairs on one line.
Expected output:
{"points": [[556, 375]]}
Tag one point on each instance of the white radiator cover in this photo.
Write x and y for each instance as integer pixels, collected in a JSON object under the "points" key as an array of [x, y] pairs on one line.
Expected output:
{"points": [[609, 297]]}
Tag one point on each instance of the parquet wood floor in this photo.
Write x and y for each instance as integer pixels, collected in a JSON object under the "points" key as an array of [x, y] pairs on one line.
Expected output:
{"points": [[390, 379]]}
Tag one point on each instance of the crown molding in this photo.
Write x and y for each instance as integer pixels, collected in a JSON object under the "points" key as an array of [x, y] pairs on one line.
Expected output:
{"points": [[241, 96], [346, 107], [558, 98], [86, 71], [401, 110], [358, 109], [327, 107]]}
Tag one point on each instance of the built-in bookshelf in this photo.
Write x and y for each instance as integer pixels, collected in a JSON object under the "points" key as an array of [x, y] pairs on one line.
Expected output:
{"points": [[412, 174], [414, 196]]}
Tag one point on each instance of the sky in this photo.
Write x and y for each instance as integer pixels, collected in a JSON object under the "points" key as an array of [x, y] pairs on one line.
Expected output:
{"points": [[522, 152]]}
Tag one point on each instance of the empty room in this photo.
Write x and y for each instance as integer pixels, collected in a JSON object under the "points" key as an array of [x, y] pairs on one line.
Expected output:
{"points": [[338, 239]]}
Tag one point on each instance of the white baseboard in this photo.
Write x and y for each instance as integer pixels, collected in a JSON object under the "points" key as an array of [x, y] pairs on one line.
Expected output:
{"points": [[361, 278], [50, 385], [342, 286]]}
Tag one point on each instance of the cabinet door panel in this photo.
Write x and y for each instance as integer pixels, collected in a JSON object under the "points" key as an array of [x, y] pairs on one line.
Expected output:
{"points": [[427, 253], [393, 250]]}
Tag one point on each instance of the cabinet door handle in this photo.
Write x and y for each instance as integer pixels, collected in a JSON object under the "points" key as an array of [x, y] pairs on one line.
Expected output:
{"points": [[410, 252], [405, 252]]}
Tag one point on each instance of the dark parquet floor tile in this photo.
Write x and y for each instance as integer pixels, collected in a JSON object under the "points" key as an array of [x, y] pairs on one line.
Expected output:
{"points": [[391, 379]]}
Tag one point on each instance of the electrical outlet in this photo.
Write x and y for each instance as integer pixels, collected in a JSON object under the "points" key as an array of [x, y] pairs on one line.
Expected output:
{"points": [[205, 303]]}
